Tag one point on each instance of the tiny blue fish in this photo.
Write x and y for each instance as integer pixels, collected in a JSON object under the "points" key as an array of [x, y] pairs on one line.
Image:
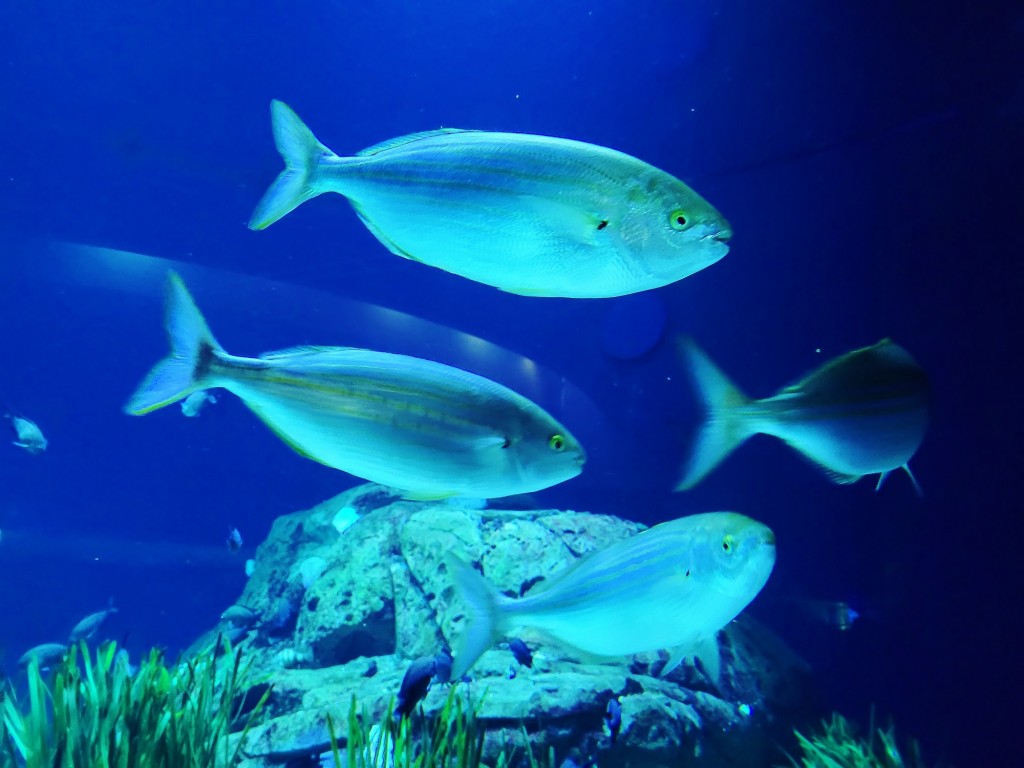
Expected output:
{"points": [[613, 718], [234, 539], [415, 685], [521, 651]]}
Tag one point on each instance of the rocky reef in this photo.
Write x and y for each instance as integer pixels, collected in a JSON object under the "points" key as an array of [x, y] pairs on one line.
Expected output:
{"points": [[347, 594]]}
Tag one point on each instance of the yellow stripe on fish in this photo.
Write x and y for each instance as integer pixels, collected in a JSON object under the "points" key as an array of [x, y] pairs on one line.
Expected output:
{"points": [[427, 429]]}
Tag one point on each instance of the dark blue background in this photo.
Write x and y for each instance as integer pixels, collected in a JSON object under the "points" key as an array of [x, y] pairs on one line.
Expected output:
{"points": [[867, 155]]}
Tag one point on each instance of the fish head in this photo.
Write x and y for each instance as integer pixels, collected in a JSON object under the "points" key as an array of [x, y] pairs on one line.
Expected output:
{"points": [[544, 453], [672, 230], [741, 555]]}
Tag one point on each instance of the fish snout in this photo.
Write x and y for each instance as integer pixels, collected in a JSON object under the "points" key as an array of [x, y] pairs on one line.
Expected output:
{"points": [[769, 537]]}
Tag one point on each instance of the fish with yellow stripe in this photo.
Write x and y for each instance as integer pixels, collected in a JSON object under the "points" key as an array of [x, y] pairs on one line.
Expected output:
{"points": [[427, 429], [671, 587], [533, 215]]}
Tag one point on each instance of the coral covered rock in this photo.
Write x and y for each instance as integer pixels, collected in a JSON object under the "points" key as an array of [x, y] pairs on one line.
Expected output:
{"points": [[344, 610]]}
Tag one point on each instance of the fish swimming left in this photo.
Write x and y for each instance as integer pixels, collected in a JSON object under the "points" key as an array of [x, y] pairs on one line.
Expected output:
{"points": [[862, 413], [672, 586], [532, 215], [427, 429]]}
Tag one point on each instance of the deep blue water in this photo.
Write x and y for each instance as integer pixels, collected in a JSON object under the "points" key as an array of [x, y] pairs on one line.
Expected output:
{"points": [[866, 154]]}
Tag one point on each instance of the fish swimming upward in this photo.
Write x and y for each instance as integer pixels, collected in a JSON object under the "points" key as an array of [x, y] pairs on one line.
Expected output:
{"points": [[532, 215], [670, 587], [862, 413], [426, 429]]}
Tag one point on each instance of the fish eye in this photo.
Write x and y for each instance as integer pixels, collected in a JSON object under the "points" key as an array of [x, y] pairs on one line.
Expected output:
{"points": [[728, 544], [556, 443], [679, 219]]}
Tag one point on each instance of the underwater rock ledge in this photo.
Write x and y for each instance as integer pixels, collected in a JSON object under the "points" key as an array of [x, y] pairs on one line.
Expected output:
{"points": [[348, 593]]}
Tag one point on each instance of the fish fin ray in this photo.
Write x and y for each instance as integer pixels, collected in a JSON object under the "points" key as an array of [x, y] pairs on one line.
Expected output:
{"points": [[401, 141], [283, 436], [386, 241], [839, 478], [426, 495], [183, 371], [676, 656], [302, 153], [917, 487], [724, 428], [484, 623]]}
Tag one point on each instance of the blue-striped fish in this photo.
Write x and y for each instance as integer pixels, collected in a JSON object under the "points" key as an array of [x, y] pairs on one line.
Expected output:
{"points": [[670, 587], [862, 413], [533, 215], [426, 429]]}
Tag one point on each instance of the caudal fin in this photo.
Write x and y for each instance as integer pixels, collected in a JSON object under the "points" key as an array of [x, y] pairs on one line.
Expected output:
{"points": [[192, 348], [723, 429], [296, 184], [483, 619]]}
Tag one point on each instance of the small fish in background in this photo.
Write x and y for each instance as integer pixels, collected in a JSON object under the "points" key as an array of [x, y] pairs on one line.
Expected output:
{"points": [[122, 657], [28, 435], [862, 413], [194, 403], [234, 539], [672, 586], [46, 655], [533, 215], [443, 666], [613, 718], [240, 616], [90, 625], [429, 429], [415, 685], [576, 759], [833, 613], [521, 651], [512, 671]]}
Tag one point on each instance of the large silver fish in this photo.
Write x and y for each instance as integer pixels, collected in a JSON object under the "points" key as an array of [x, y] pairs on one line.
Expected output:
{"points": [[532, 215], [671, 587], [427, 429], [862, 413]]}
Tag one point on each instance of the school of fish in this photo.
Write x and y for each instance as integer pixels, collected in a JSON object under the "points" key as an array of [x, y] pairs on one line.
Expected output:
{"points": [[542, 217]]}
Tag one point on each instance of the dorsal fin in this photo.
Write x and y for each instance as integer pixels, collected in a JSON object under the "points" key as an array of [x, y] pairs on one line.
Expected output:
{"points": [[409, 139]]}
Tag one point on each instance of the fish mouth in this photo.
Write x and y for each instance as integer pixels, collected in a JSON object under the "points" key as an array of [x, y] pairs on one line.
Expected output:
{"points": [[769, 538], [722, 235]]}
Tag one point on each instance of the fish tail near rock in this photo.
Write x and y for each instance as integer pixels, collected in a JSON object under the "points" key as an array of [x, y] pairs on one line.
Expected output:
{"points": [[193, 348], [297, 183], [483, 619], [724, 427]]}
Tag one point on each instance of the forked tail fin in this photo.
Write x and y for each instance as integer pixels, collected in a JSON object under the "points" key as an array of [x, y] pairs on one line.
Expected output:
{"points": [[301, 152], [193, 347], [724, 427]]}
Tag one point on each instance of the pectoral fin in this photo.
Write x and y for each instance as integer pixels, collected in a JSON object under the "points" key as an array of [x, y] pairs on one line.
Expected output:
{"points": [[564, 219], [705, 650]]}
